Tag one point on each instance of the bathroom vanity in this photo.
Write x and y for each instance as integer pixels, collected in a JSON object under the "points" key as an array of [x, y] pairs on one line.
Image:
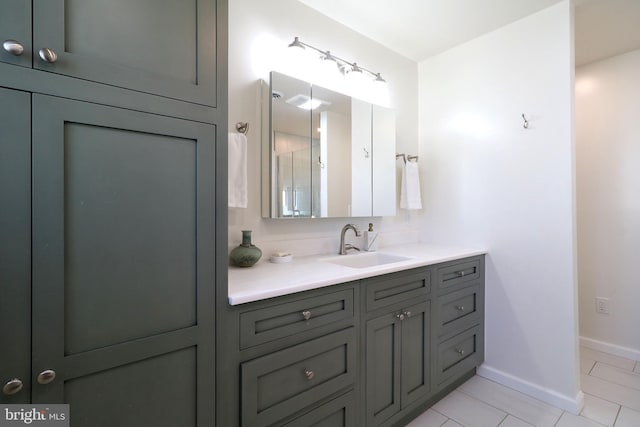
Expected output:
{"points": [[317, 342]]}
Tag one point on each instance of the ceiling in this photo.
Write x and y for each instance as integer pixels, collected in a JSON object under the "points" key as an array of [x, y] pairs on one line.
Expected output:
{"points": [[419, 29], [605, 28]]}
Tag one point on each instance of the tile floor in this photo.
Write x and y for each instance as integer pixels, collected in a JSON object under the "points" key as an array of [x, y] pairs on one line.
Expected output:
{"points": [[611, 387]]}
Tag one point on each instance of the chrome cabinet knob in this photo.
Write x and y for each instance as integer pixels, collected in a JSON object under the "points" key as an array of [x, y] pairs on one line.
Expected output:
{"points": [[13, 47], [460, 273], [48, 55], [306, 314], [460, 351], [309, 374], [460, 307], [400, 316], [46, 376], [12, 387], [407, 314]]}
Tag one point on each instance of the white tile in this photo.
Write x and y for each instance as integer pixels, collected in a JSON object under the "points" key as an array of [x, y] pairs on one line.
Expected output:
{"points": [[518, 404], [512, 421], [628, 418], [607, 358], [570, 420], [616, 375], [586, 363], [622, 395], [429, 418], [600, 410], [451, 423], [468, 411]]}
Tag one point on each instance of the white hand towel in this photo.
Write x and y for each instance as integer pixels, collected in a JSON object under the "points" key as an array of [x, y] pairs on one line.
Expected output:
{"points": [[237, 170], [410, 191]]}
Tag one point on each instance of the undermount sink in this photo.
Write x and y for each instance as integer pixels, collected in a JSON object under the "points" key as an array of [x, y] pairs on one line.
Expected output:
{"points": [[372, 259]]}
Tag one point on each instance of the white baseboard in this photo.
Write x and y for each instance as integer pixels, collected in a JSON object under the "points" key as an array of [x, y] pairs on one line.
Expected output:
{"points": [[618, 350], [570, 404]]}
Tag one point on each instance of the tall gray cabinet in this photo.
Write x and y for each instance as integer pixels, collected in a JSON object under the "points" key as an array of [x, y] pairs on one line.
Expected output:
{"points": [[112, 163]]}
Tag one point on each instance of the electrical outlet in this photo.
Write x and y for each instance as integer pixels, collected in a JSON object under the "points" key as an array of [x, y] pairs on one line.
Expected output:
{"points": [[602, 305]]}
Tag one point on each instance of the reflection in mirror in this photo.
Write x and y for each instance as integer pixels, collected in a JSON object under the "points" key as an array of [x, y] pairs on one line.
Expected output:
{"points": [[291, 147], [321, 149]]}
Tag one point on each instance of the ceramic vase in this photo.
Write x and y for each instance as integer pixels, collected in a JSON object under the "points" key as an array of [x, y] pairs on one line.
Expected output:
{"points": [[246, 254]]}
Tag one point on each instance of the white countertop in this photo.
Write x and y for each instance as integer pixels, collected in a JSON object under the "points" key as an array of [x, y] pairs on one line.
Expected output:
{"points": [[266, 279]]}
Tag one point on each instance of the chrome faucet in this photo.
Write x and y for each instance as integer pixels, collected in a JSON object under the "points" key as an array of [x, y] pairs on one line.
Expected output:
{"points": [[344, 248]]}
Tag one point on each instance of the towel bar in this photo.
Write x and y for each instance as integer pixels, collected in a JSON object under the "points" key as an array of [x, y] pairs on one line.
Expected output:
{"points": [[407, 157]]}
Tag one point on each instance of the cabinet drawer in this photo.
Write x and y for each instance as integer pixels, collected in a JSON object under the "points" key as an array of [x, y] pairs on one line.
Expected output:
{"points": [[459, 354], [282, 383], [397, 287], [279, 321], [459, 310], [459, 273], [339, 412]]}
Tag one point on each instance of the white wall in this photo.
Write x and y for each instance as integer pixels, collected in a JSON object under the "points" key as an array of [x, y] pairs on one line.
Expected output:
{"points": [[489, 182], [256, 27], [608, 200]]}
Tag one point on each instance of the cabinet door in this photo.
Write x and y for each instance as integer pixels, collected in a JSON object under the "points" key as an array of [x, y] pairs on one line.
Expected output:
{"points": [[123, 277], [382, 368], [166, 48], [15, 243], [15, 25], [415, 353]]}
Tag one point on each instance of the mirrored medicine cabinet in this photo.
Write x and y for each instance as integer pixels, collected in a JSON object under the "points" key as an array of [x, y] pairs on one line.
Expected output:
{"points": [[325, 154]]}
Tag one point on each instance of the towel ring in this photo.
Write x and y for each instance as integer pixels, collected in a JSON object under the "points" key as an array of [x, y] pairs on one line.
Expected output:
{"points": [[242, 127]]}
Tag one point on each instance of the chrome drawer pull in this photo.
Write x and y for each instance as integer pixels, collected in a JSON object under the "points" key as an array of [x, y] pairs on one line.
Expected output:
{"points": [[12, 387], [13, 47], [309, 374], [460, 351], [47, 376], [460, 307], [306, 314]]}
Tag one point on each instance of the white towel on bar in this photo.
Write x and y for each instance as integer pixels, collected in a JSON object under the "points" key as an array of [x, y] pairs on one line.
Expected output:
{"points": [[410, 190], [237, 170]]}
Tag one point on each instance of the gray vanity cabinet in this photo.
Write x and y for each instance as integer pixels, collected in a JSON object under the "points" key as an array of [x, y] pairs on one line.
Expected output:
{"points": [[282, 383], [295, 355], [397, 342], [459, 314], [376, 352], [340, 412], [137, 45]]}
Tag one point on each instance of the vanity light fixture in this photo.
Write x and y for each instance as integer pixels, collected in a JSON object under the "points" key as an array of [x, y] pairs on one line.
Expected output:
{"points": [[345, 67]]}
